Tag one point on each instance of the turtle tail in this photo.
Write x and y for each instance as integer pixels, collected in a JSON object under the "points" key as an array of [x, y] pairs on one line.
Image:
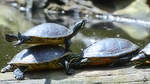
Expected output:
{"points": [[10, 38], [76, 28]]}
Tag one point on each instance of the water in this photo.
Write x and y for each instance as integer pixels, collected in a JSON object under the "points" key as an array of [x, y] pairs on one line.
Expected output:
{"points": [[137, 34], [122, 19]]}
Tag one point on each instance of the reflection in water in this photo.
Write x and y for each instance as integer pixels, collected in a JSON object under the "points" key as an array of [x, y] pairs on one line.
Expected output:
{"points": [[136, 28], [122, 19], [86, 40], [134, 31], [13, 19]]}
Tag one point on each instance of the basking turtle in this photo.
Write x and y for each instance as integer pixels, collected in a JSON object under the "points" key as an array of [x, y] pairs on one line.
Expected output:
{"points": [[47, 33], [109, 51], [143, 56], [38, 58]]}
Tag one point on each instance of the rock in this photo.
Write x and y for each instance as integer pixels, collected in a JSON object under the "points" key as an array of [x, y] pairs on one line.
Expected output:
{"points": [[135, 11], [96, 75]]}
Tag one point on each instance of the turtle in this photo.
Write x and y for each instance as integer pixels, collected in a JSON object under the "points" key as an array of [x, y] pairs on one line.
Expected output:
{"points": [[39, 57], [143, 56], [47, 33], [107, 52]]}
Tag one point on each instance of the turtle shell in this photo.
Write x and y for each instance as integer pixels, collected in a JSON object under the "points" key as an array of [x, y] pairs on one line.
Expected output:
{"points": [[109, 47], [39, 54], [49, 30], [146, 49]]}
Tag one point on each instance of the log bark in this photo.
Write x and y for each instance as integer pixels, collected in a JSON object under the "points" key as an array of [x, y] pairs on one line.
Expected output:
{"points": [[120, 75]]}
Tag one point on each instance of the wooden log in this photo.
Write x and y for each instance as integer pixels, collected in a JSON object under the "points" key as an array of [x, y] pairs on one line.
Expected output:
{"points": [[121, 75]]}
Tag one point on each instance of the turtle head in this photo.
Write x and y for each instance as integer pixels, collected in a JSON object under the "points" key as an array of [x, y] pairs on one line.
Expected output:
{"points": [[21, 39], [79, 25]]}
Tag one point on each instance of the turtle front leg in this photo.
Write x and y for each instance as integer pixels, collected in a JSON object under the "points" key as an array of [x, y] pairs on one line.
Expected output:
{"points": [[67, 67], [19, 73], [7, 68], [67, 44]]}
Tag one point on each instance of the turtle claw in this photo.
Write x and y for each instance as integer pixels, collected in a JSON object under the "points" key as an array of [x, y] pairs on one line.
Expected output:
{"points": [[19, 73], [19, 42], [70, 72], [19, 77]]}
